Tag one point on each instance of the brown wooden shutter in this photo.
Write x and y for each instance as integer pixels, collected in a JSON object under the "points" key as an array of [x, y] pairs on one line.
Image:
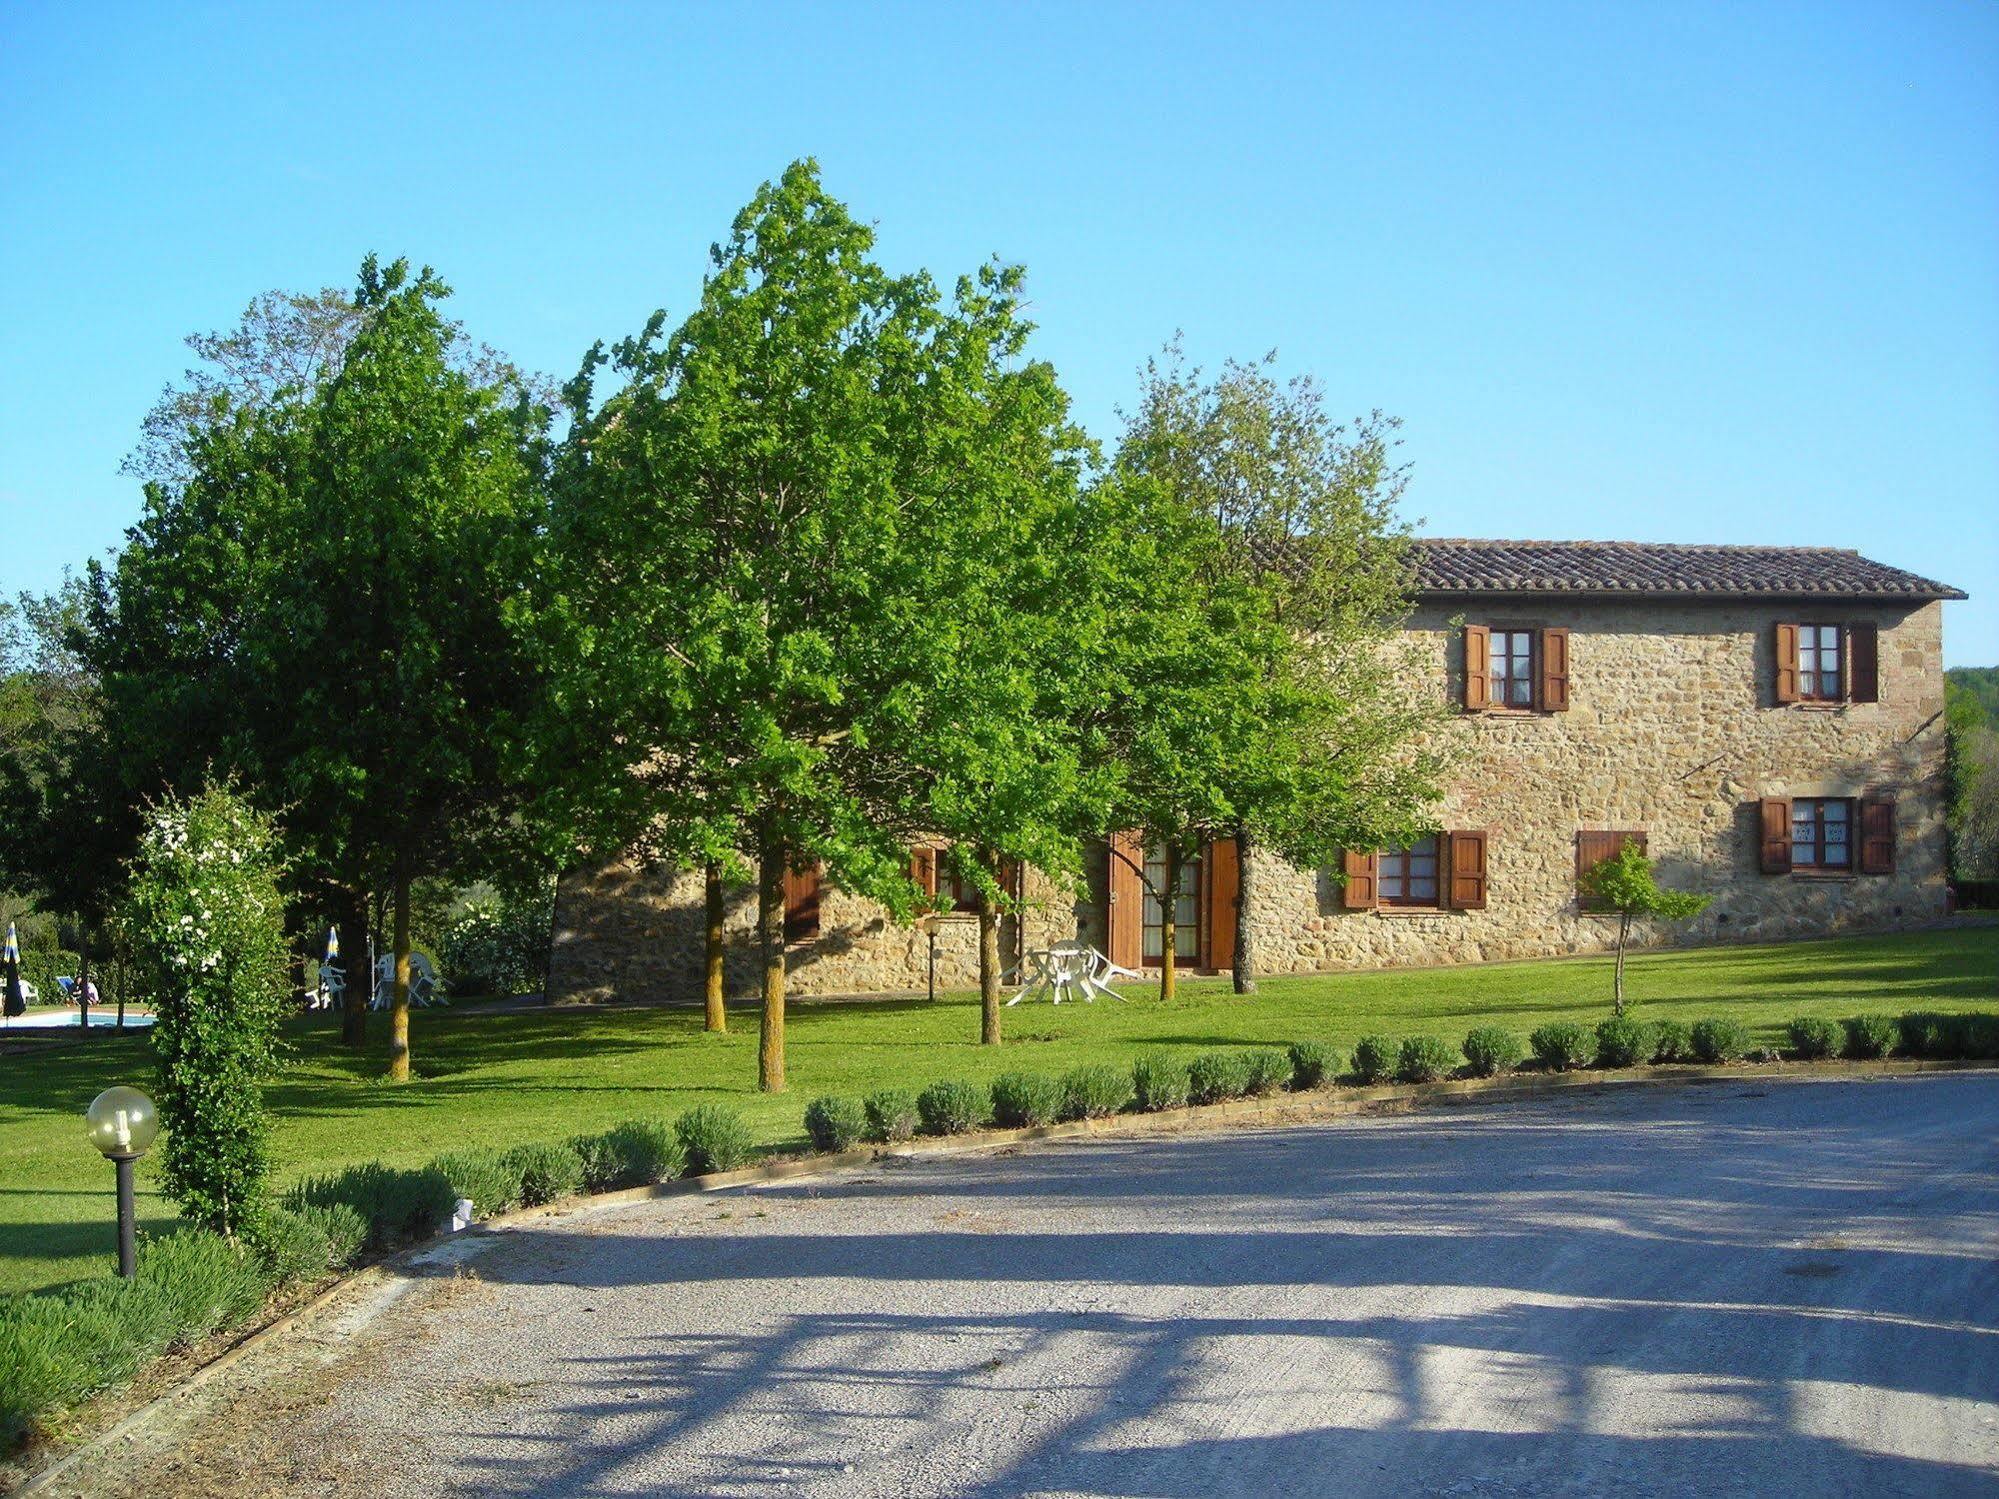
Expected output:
{"points": [[1359, 891], [1863, 652], [1775, 814], [1478, 668], [1223, 880], [923, 870], [1554, 671], [801, 904], [1593, 849], [1877, 835], [1787, 670], [1124, 911], [1466, 855]]}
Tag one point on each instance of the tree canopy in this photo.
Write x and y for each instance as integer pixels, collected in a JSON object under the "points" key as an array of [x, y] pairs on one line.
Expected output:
{"points": [[773, 542], [1267, 575]]}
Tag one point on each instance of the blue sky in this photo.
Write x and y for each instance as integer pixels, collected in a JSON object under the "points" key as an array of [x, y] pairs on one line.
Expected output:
{"points": [[1670, 272]]}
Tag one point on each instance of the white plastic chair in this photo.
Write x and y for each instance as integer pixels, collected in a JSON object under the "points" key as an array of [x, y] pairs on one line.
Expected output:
{"points": [[332, 986], [425, 990]]}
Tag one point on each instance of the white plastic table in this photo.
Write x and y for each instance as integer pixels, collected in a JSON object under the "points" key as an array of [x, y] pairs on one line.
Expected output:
{"points": [[1073, 970]]}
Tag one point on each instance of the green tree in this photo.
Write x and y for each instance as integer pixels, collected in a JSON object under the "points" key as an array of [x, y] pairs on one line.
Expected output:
{"points": [[1001, 747], [1981, 683], [407, 695], [1274, 704], [316, 605], [1971, 781], [753, 547], [207, 922], [1627, 886], [71, 822]]}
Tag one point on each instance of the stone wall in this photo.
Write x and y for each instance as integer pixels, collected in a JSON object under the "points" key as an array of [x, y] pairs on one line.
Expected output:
{"points": [[1670, 730], [628, 933]]}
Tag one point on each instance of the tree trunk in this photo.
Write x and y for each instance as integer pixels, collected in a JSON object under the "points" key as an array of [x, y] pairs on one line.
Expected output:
{"points": [[771, 868], [1623, 927], [295, 972], [83, 980], [718, 1013], [399, 998], [1243, 965], [350, 919], [1169, 937], [989, 963]]}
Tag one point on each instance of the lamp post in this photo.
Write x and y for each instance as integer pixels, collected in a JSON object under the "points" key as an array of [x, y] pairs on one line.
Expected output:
{"points": [[123, 1123]]}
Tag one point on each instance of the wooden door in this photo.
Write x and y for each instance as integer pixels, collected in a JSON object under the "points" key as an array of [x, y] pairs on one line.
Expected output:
{"points": [[1124, 911], [1223, 878]]}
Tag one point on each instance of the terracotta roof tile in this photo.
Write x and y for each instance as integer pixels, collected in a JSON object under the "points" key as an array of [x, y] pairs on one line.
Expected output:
{"points": [[1456, 565]]}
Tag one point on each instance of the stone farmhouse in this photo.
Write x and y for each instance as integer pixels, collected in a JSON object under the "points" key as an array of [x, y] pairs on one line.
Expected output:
{"points": [[1767, 721]]}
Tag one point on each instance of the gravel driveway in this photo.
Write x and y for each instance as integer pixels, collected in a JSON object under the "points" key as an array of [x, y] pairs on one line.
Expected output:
{"points": [[1772, 1287]]}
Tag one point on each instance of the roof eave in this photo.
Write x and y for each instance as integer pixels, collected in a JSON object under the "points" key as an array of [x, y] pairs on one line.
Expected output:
{"points": [[1752, 596]]}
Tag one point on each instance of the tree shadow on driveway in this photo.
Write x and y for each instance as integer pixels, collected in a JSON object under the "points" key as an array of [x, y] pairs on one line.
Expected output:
{"points": [[1791, 1291]]}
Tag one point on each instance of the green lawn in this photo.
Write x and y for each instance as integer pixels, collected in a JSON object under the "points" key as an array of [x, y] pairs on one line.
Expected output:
{"points": [[493, 1079]]}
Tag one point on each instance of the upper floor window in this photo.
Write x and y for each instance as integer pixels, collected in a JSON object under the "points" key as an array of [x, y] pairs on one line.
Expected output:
{"points": [[1821, 833], [1828, 663], [1821, 672], [1517, 668], [1513, 668]]}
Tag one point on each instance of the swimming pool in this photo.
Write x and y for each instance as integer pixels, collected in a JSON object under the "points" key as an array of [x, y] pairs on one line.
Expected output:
{"points": [[39, 1019]]}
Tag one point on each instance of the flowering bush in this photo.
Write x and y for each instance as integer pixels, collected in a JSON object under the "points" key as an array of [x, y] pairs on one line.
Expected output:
{"points": [[207, 928], [496, 947]]}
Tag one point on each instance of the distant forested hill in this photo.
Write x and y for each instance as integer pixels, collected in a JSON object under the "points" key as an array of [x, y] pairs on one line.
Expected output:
{"points": [[1982, 682]]}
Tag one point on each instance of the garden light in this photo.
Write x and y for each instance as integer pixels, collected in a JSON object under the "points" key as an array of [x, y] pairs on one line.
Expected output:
{"points": [[123, 1124]]}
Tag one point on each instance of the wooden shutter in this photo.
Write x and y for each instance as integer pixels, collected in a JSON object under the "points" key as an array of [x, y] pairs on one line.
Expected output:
{"points": [[1359, 892], [1554, 671], [923, 871], [1223, 880], [1775, 814], [1593, 849], [1124, 911], [1478, 668], [1787, 671], [1877, 835], [1466, 855], [801, 904], [1863, 653]]}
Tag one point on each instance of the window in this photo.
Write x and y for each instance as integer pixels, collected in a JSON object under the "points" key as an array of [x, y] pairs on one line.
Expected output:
{"points": [[1513, 668], [935, 873], [1516, 668], [1820, 678], [1408, 876], [1822, 833], [1820, 663], [1444, 873], [1186, 909]]}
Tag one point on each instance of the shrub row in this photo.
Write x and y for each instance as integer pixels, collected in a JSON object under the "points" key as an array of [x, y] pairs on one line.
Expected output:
{"points": [[1019, 1099], [58, 1348]]}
